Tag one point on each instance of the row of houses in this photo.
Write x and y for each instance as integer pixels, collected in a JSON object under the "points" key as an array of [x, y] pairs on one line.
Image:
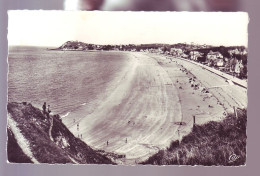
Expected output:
{"points": [[235, 64], [232, 61]]}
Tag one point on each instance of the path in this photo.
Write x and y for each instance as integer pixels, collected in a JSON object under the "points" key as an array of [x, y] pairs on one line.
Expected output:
{"points": [[50, 129]]}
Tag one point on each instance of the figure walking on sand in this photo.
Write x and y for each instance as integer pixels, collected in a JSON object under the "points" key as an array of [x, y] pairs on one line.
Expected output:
{"points": [[44, 108]]}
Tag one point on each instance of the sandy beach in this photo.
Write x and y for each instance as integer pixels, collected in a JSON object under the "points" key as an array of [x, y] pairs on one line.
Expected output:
{"points": [[153, 102]]}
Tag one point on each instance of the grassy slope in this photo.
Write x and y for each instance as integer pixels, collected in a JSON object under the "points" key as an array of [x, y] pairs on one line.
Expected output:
{"points": [[15, 153], [209, 144], [34, 126]]}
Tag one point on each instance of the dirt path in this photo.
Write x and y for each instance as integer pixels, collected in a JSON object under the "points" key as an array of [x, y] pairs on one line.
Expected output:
{"points": [[144, 111], [50, 129]]}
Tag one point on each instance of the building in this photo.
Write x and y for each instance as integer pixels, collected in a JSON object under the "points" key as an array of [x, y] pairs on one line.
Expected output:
{"points": [[214, 55], [194, 55], [215, 59]]}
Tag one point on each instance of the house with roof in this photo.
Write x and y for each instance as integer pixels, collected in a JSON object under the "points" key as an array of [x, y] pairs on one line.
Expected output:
{"points": [[214, 55], [194, 55], [215, 59]]}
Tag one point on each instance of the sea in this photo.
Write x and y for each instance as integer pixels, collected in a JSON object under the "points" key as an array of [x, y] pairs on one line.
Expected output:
{"points": [[68, 81]]}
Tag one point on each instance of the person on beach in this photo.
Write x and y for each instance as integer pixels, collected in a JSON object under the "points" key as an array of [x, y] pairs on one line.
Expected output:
{"points": [[78, 127], [48, 111], [107, 143], [44, 108]]}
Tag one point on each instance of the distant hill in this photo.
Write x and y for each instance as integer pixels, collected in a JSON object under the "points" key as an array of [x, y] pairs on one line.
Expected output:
{"points": [[73, 45], [32, 138]]}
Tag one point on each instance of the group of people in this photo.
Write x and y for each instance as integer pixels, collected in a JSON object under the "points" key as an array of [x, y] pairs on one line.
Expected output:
{"points": [[46, 109]]}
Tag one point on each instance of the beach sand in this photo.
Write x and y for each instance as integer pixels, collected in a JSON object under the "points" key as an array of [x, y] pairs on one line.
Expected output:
{"points": [[154, 102]]}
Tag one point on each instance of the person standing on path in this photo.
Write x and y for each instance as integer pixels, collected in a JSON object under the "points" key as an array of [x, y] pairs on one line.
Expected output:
{"points": [[44, 108], [48, 111]]}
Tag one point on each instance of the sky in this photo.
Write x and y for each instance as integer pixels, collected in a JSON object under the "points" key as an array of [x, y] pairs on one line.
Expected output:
{"points": [[53, 28]]}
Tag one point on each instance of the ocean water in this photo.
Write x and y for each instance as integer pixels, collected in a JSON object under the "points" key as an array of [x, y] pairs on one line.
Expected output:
{"points": [[66, 80]]}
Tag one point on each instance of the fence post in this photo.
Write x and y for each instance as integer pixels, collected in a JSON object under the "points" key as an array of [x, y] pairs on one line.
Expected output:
{"points": [[235, 111]]}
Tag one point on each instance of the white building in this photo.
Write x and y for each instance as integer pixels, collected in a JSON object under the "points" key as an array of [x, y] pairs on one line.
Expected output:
{"points": [[195, 54]]}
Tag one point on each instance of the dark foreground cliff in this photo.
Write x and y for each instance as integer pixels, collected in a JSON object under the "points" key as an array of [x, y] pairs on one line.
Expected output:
{"points": [[33, 138]]}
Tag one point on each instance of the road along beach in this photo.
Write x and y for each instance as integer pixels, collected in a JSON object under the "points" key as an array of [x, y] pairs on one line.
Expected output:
{"points": [[153, 102]]}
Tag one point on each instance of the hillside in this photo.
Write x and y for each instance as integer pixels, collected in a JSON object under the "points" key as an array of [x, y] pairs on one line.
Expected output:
{"points": [[73, 45], [215, 143], [32, 138]]}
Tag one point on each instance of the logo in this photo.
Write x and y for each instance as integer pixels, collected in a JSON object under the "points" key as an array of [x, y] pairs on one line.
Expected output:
{"points": [[233, 158]]}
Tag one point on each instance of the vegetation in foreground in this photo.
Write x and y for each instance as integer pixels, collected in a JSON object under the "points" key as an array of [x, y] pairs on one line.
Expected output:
{"points": [[64, 147], [214, 143]]}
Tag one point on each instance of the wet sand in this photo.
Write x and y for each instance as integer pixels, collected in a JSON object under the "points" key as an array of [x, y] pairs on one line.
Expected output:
{"points": [[154, 102]]}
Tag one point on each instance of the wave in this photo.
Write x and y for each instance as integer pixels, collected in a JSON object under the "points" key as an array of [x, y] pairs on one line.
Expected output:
{"points": [[65, 115]]}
